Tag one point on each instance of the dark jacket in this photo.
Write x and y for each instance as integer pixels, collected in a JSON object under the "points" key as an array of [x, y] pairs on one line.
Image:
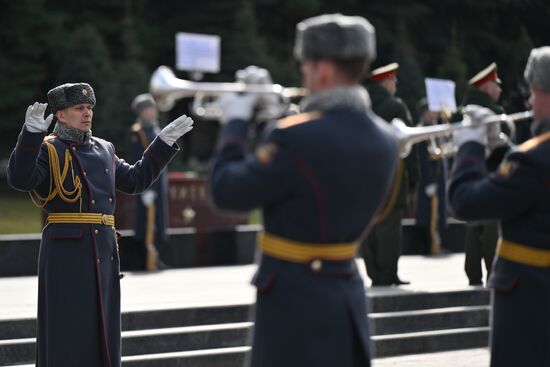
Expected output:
{"points": [[477, 97], [140, 138], [78, 271], [389, 107], [518, 195], [320, 179]]}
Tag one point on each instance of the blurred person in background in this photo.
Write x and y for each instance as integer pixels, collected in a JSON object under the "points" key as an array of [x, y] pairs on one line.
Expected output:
{"points": [[431, 202], [481, 236], [320, 177], [382, 247], [151, 206], [517, 194]]}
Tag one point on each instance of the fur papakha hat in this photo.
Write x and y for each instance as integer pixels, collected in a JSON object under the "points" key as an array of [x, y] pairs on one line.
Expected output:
{"points": [[537, 70], [335, 36], [70, 94]]}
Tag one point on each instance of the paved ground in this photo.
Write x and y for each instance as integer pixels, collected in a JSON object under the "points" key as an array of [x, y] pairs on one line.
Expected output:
{"points": [[226, 285], [230, 284]]}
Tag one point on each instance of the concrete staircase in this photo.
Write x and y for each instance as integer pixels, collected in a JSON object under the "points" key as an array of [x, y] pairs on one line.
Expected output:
{"points": [[402, 322]]}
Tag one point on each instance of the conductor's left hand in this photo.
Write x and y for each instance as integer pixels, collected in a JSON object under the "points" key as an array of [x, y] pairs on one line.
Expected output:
{"points": [[176, 129]]}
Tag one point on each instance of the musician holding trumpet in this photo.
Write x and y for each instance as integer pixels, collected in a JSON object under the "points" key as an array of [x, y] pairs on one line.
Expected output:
{"points": [[518, 196], [320, 178], [481, 236]]}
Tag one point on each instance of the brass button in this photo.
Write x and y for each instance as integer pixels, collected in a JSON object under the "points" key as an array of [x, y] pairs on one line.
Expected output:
{"points": [[84, 173], [110, 200], [74, 148], [96, 231], [112, 258], [316, 265], [105, 219], [106, 170], [97, 260], [93, 201]]}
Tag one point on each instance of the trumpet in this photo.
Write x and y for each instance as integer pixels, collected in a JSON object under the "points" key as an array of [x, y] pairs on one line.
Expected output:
{"points": [[166, 89], [408, 136]]}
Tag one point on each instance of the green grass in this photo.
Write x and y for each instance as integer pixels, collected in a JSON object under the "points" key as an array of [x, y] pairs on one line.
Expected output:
{"points": [[255, 217], [18, 214]]}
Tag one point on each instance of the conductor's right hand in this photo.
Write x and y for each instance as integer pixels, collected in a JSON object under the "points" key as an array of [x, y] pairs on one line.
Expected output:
{"points": [[236, 106], [176, 129], [34, 118]]}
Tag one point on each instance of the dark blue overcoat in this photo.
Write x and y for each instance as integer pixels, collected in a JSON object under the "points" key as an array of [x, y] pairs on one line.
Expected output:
{"points": [[78, 272], [320, 179], [518, 195]]}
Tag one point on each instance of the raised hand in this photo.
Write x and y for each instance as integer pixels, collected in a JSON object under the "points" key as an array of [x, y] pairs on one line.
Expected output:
{"points": [[34, 118], [176, 129]]}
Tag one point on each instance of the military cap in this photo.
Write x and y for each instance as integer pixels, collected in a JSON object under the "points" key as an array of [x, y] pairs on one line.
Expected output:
{"points": [[384, 72], [485, 75], [70, 94], [335, 36], [537, 70], [142, 101]]}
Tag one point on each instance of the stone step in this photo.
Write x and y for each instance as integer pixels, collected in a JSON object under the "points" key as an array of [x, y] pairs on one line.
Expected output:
{"points": [[17, 351], [185, 316], [430, 341], [405, 301], [185, 338], [384, 346], [147, 319], [211, 315], [144, 342], [426, 320], [219, 357], [391, 334]]}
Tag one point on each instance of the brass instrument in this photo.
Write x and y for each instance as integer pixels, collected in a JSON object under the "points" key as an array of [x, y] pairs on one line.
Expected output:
{"points": [[407, 136], [166, 89]]}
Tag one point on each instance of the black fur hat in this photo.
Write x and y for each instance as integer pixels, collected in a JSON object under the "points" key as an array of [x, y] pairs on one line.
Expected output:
{"points": [[335, 36], [537, 70], [70, 94]]}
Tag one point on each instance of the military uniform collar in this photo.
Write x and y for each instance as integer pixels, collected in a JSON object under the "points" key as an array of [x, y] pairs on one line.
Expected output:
{"points": [[540, 126], [70, 134], [354, 98]]}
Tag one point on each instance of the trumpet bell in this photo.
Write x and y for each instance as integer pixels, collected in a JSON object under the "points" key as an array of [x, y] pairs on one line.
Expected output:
{"points": [[166, 88]]}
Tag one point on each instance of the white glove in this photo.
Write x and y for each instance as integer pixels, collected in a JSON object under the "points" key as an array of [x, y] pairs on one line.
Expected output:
{"points": [[176, 129], [476, 131], [34, 118], [268, 105], [236, 106], [253, 75], [430, 189], [148, 198]]}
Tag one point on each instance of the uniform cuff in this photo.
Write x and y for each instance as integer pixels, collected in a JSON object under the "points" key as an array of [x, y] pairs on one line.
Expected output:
{"points": [[30, 141]]}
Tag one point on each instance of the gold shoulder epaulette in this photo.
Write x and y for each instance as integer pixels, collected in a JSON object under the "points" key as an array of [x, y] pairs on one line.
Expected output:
{"points": [[298, 119], [534, 142], [136, 127]]}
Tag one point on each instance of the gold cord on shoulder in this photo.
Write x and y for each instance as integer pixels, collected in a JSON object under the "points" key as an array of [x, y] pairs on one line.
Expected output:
{"points": [[57, 178]]}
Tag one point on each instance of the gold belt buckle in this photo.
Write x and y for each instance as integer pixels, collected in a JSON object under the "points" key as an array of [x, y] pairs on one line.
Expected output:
{"points": [[105, 219]]}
